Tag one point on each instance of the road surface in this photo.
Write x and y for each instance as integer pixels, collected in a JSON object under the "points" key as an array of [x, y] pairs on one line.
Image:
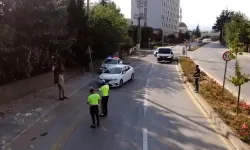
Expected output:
{"points": [[153, 112], [209, 57]]}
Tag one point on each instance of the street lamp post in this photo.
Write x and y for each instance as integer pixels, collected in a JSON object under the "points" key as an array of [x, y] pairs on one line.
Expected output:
{"points": [[139, 16]]}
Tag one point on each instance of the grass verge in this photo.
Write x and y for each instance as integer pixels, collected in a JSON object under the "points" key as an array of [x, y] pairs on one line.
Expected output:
{"points": [[224, 105], [197, 47]]}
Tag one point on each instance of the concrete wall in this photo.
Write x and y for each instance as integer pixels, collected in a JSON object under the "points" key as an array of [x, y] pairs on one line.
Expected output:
{"points": [[24, 87]]}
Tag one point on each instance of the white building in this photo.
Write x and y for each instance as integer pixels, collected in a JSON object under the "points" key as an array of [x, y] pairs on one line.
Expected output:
{"points": [[163, 14]]}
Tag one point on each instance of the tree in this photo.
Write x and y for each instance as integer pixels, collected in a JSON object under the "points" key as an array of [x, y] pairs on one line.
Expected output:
{"points": [[187, 36], [109, 28], [197, 32], [183, 36], [35, 29], [146, 33], [104, 2], [223, 18], [234, 30]]}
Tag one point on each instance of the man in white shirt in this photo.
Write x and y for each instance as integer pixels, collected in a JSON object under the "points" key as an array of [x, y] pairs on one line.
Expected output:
{"points": [[61, 86]]}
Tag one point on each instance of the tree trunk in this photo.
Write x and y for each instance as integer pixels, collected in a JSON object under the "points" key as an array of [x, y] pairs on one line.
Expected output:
{"points": [[238, 102], [221, 33], [247, 48]]}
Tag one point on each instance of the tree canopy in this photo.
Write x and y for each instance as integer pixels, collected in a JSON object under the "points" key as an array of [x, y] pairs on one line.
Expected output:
{"points": [[32, 31], [223, 18]]}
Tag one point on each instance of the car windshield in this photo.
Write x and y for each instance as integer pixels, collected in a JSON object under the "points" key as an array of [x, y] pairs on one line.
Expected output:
{"points": [[110, 61], [115, 70], [164, 51]]}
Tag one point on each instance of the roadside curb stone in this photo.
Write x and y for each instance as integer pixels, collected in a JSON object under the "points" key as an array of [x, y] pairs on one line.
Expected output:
{"points": [[227, 132]]}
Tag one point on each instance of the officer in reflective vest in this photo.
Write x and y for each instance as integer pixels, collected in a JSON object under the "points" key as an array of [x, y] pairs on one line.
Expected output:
{"points": [[93, 101], [104, 89]]}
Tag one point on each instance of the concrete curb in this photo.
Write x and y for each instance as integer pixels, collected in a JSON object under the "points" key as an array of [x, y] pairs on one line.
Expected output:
{"points": [[227, 132], [44, 115]]}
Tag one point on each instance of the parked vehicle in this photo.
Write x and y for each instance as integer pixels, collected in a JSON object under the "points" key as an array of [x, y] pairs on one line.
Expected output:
{"points": [[117, 75], [165, 54], [108, 62]]}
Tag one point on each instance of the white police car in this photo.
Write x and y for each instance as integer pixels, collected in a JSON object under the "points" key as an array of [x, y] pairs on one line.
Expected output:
{"points": [[108, 62]]}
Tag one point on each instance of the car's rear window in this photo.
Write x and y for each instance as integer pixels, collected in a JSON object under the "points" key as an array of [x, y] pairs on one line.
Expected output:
{"points": [[111, 61], [164, 51]]}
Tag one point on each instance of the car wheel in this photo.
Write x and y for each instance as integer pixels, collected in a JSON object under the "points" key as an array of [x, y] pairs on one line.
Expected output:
{"points": [[121, 83], [132, 77]]}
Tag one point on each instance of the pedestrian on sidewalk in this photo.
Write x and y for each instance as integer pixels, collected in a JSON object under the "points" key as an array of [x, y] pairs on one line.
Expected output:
{"points": [[197, 75], [104, 89], [93, 101], [61, 85]]}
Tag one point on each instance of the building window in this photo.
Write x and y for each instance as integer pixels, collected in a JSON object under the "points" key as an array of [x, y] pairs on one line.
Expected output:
{"points": [[145, 11], [145, 4], [145, 24]]}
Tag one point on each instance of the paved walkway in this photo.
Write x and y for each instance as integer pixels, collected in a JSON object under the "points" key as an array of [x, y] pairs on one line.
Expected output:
{"points": [[19, 115]]}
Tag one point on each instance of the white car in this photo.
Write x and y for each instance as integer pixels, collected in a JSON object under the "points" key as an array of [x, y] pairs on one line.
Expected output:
{"points": [[116, 76], [108, 62], [206, 40], [156, 51], [165, 54]]}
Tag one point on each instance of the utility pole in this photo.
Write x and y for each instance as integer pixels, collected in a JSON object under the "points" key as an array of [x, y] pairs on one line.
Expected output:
{"points": [[88, 6], [139, 17], [162, 38]]}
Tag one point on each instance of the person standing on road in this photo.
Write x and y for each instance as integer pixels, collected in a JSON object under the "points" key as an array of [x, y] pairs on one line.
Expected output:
{"points": [[104, 89], [197, 75], [61, 86], [93, 101]]}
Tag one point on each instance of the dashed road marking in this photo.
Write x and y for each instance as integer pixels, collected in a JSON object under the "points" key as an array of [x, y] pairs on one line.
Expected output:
{"points": [[145, 139]]}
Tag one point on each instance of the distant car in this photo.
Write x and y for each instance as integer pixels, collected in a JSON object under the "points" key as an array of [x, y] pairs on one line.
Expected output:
{"points": [[165, 54], [206, 40], [117, 75], [155, 52], [108, 62]]}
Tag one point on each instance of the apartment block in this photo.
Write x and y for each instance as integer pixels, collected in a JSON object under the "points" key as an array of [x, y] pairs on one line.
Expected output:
{"points": [[159, 14]]}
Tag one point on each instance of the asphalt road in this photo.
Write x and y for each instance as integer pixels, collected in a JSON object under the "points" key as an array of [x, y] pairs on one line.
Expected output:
{"points": [[209, 57], [153, 112]]}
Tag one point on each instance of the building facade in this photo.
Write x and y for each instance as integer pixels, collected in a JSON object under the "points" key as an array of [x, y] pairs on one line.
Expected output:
{"points": [[163, 14]]}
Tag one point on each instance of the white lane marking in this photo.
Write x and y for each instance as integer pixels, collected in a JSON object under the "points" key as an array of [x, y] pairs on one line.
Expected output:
{"points": [[224, 67], [145, 101], [150, 72], [218, 63], [145, 108], [145, 139]]}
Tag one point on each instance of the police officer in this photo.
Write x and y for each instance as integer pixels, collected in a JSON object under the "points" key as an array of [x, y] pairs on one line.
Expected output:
{"points": [[104, 89], [93, 101], [197, 75]]}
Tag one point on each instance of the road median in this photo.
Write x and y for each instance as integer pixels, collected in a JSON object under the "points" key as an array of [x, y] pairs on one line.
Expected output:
{"points": [[221, 108], [197, 47]]}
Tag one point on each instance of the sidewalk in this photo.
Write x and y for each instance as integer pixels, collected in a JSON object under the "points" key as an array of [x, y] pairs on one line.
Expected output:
{"points": [[17, 117]]}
